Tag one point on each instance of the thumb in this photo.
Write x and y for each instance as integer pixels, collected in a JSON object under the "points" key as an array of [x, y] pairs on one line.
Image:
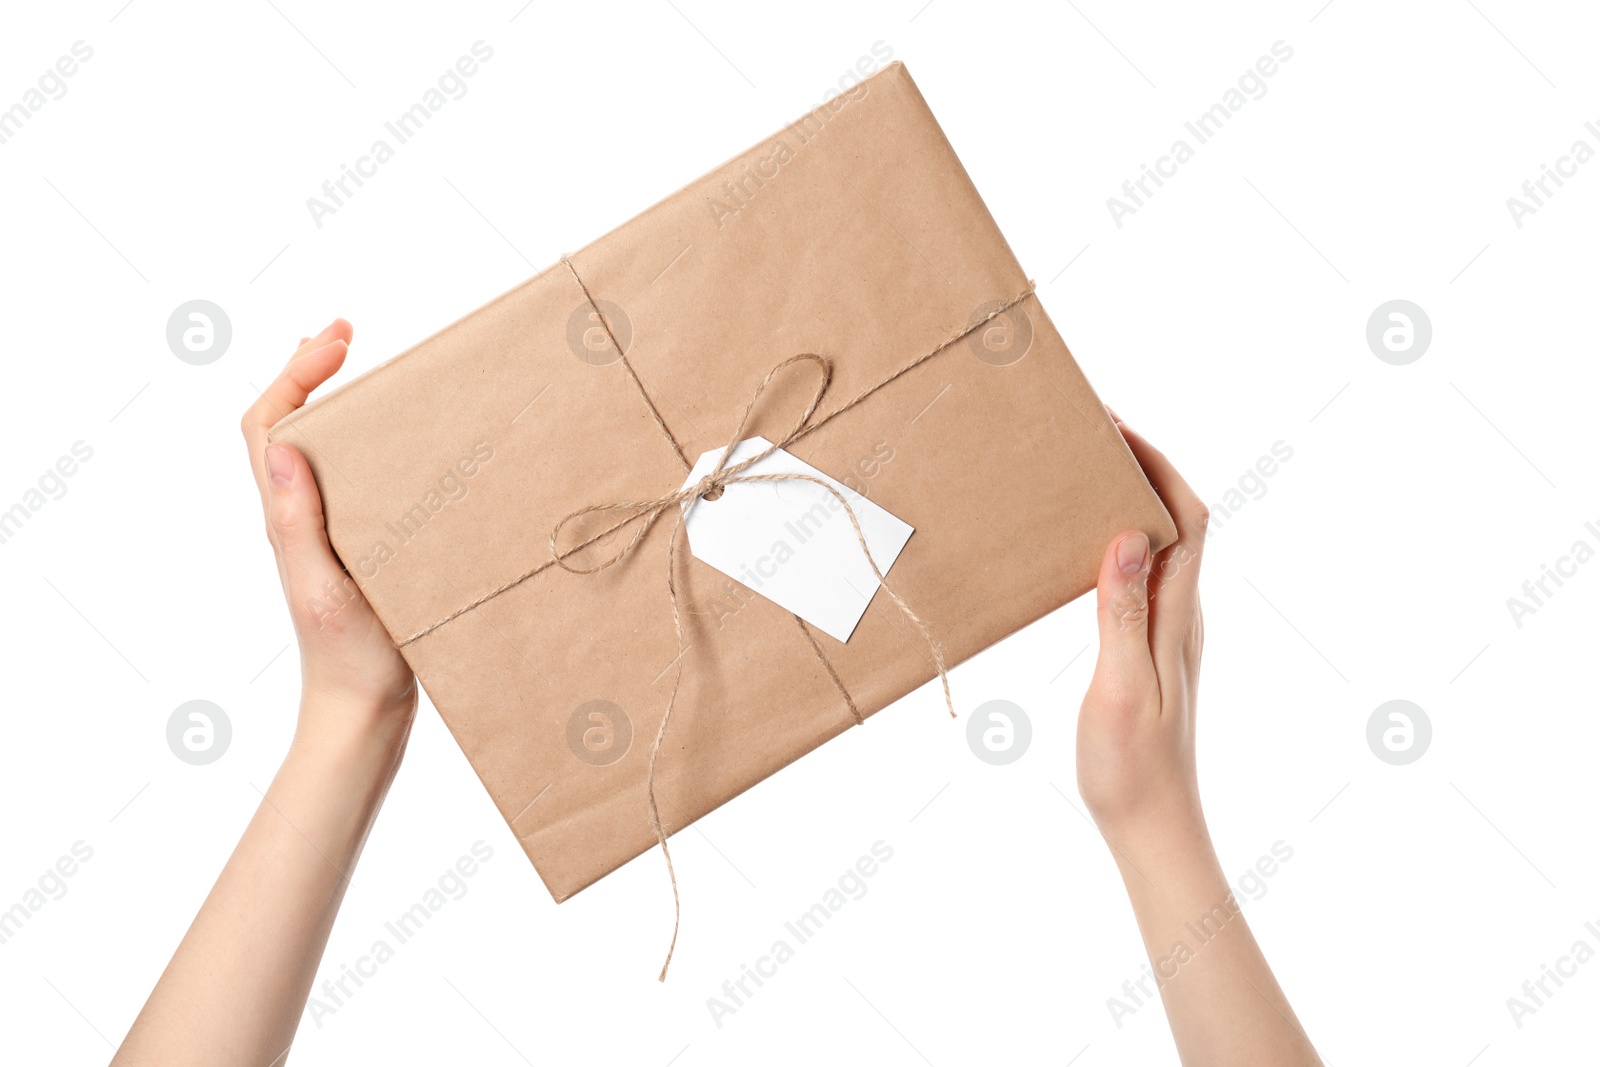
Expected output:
{"points": [[1125, 662], [313, 579]]}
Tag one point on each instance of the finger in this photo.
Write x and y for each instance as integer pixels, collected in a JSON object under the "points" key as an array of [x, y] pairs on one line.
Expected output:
{"points": [[1176, 573], [287, 392], [1124, 667], [279, 398], [337, 330], [302, 374], [313, 579], [1182, 501]]}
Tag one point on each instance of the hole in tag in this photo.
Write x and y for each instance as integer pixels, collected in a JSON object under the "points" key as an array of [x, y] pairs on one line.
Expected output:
{"points": [[712, 494]]}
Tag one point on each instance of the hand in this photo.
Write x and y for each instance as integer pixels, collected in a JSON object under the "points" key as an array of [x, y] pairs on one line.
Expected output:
{"points": [[352, 676], [1136, 756], [1136, 771]]}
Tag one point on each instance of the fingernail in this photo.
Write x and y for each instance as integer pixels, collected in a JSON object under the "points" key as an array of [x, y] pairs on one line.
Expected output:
{"points": [[1132, 553], [280, 468]]}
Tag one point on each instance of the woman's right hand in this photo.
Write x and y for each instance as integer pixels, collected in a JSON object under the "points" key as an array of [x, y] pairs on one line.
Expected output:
{"points": [[1136, 770], [1136, 729]]}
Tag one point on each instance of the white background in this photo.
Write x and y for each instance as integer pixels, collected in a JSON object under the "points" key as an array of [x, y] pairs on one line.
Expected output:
{"points": [[1226, 315]]}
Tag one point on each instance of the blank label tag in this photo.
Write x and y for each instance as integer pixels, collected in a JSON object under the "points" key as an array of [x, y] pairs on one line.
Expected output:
{"points": [[792, 541]]}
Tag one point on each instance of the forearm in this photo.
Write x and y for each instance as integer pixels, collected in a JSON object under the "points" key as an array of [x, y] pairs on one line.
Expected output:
{"points": [[1221, 999], [236, 987]]}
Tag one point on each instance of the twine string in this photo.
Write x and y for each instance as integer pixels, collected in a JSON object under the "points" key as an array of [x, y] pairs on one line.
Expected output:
{"points": [[723, 474]]}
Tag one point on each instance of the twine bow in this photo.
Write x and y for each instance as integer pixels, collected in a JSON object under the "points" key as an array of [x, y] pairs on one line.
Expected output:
{"points": [[646, 513]]}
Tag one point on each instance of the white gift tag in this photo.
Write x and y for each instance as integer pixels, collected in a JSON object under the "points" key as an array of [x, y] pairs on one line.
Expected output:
{"points": [[792, 541]]}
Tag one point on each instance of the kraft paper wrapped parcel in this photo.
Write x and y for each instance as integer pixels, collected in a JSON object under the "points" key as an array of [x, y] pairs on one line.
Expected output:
{"points": [[854, 234]]}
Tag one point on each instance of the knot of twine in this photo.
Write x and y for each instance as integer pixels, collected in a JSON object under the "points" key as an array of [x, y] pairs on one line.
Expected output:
{"points": [[723, 474]]}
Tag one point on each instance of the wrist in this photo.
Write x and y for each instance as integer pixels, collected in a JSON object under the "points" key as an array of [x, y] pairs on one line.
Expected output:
{"points": [[352, 736], [1171, 843], [333, 782]]}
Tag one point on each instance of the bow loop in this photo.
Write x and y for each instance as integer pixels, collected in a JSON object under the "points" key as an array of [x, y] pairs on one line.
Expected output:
{"points": [[646, 512]]}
